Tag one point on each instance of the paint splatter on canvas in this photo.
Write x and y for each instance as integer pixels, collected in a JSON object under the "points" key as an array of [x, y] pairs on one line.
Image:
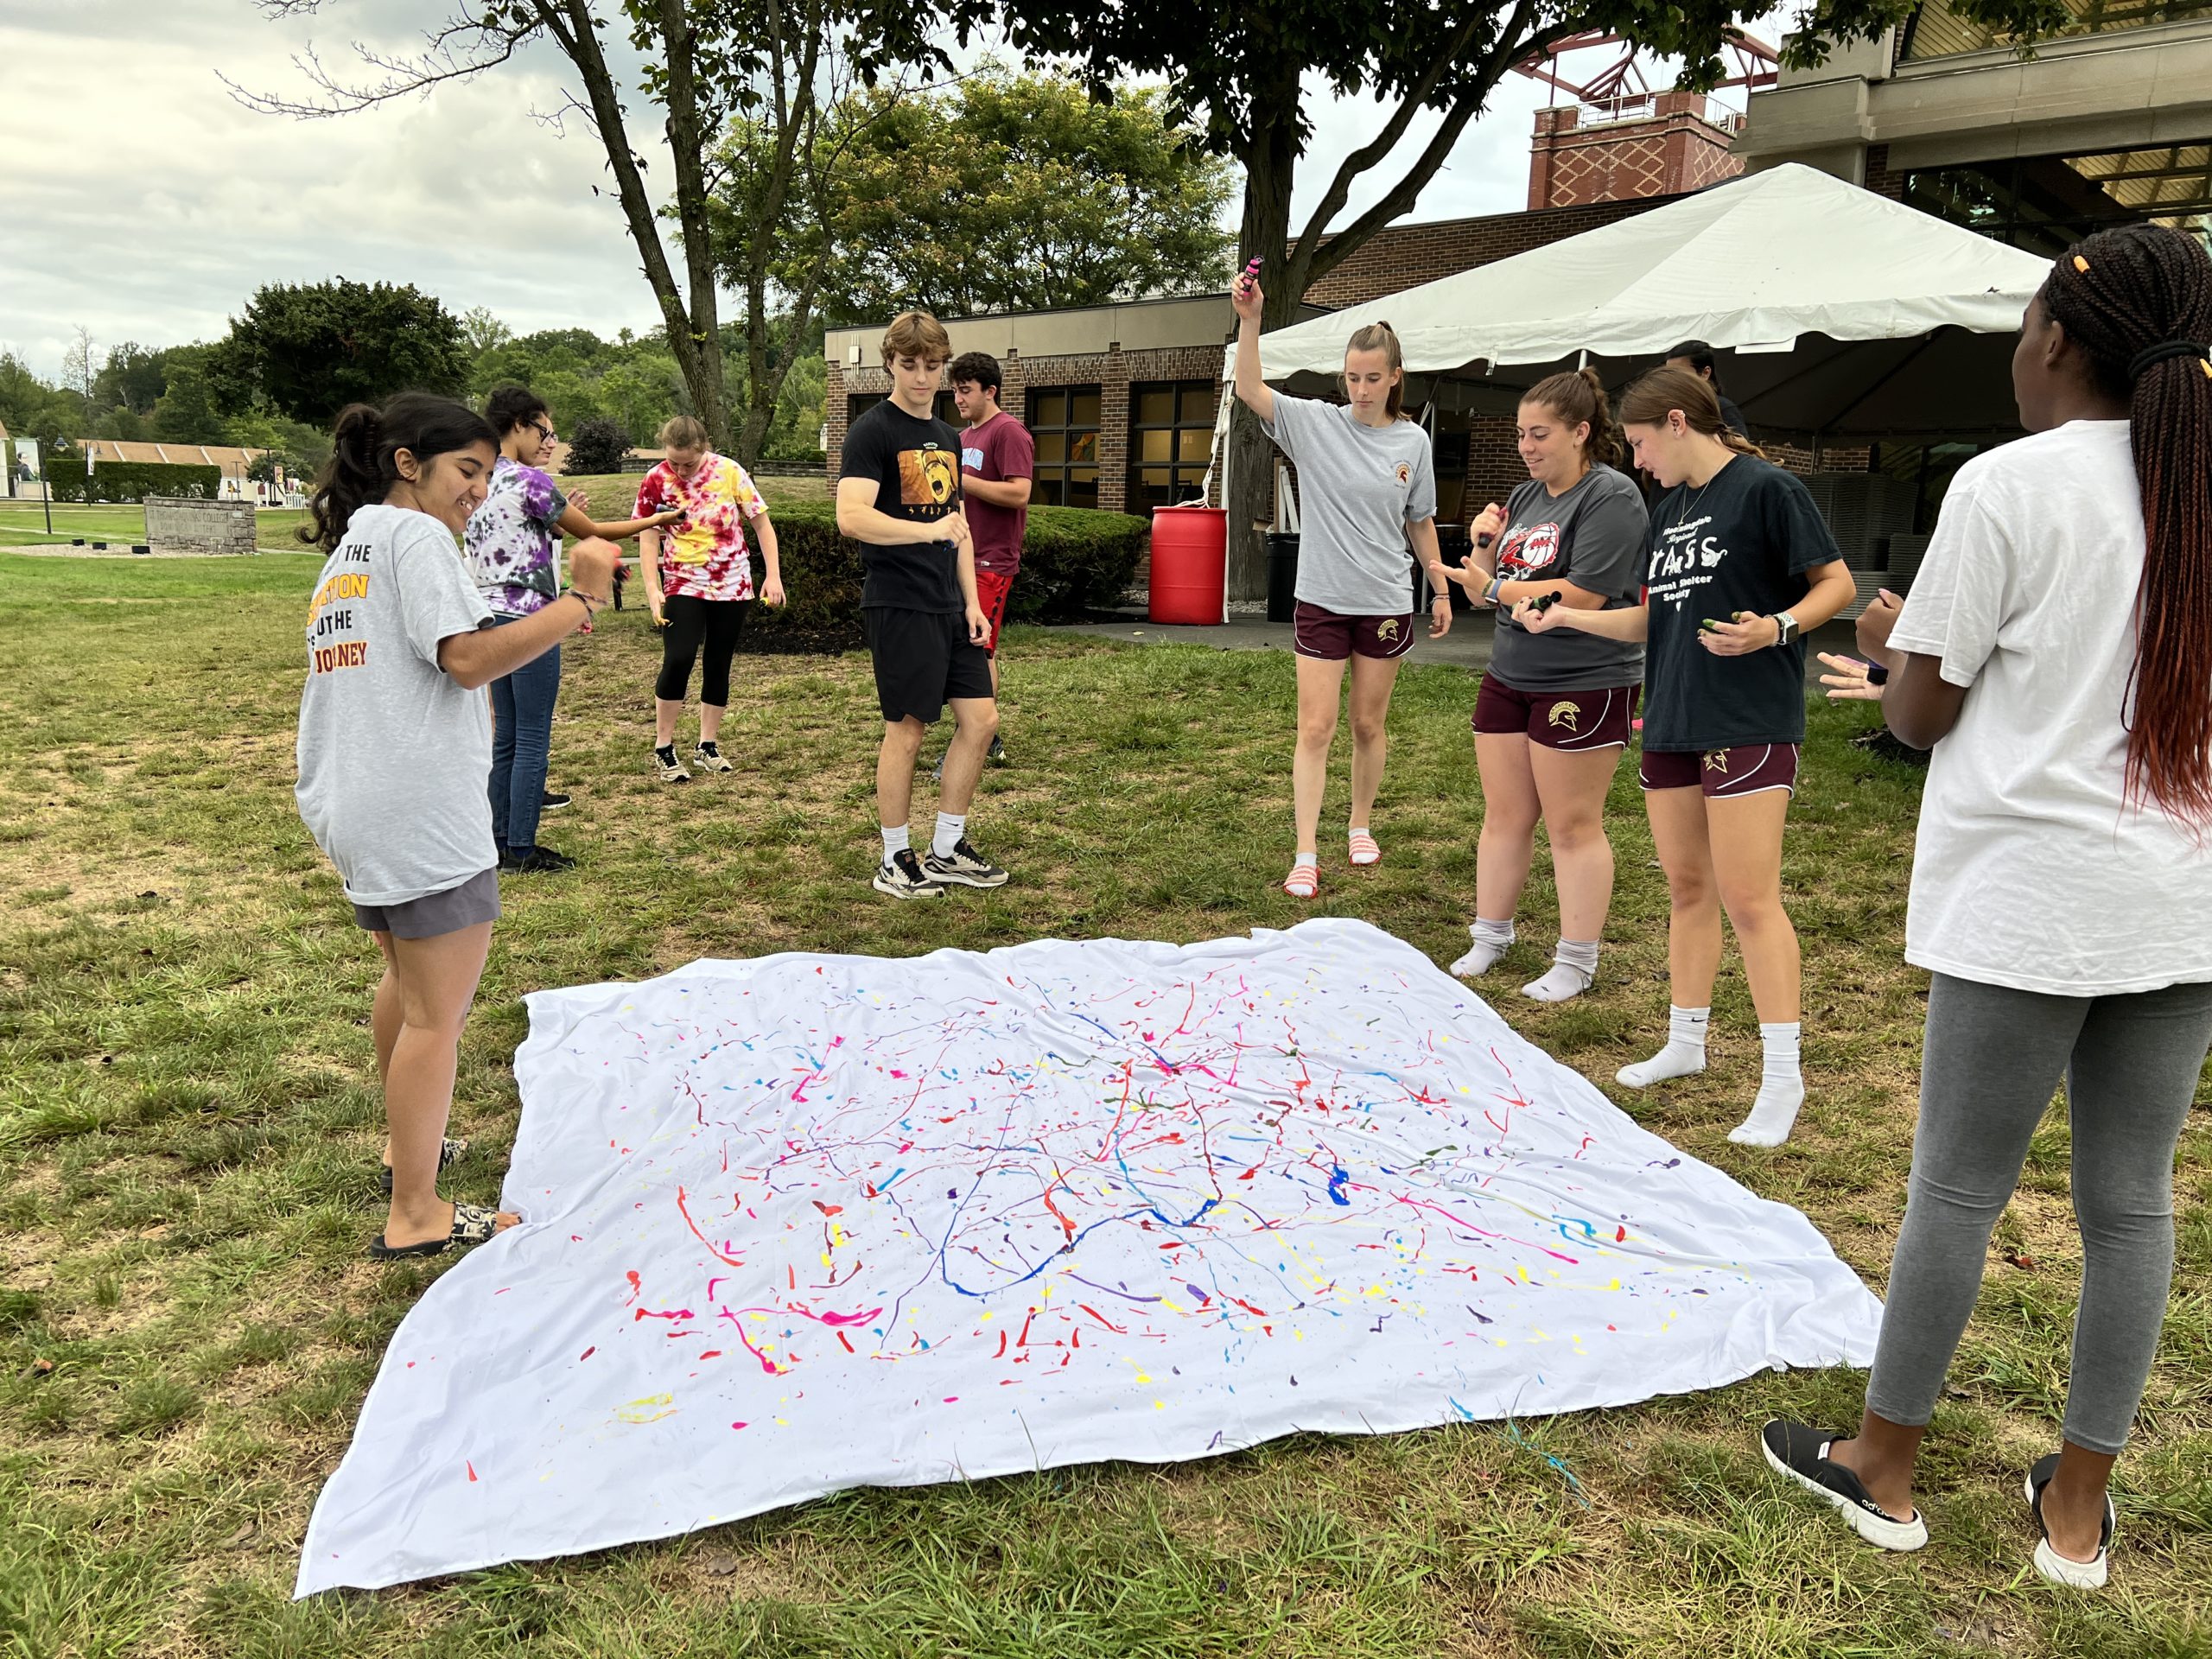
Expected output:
{"points": [[807, 1223]]}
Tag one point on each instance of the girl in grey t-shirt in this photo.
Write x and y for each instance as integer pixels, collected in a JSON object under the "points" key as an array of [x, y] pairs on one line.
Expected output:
{"points": [[1552, 716], [395, 745], [1368, 483]]}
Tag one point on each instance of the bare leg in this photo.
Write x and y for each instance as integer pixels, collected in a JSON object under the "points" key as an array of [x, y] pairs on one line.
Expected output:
{"points": [[1746, 854], [665, 714], [1573, 786], [438, 981], [1882, 1456], [894, 771], [976, 724], [384, 1019], [710, 722], [1373, 678], [1680, 835], [1510, 808], [1320, 685]]}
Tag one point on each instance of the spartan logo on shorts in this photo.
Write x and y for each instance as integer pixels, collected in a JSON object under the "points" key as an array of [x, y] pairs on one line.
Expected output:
{"points": [[1386, 629], [1717, 760], [927, 478], [1568, 715]]}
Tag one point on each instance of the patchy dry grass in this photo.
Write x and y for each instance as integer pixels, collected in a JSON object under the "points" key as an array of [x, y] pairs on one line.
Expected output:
{"points": [[188, 1125]]}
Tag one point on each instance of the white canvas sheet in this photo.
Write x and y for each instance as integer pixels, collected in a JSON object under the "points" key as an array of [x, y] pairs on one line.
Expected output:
{"points": [[808, 1223]]}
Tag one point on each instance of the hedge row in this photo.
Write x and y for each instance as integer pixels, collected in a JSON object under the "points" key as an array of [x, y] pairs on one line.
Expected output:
{"points": [[70, 480], [1073, 561]]}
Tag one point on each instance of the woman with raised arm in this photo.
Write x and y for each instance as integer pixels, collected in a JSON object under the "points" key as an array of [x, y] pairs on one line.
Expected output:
{"points": [[1367, 483], [1553, 715], [394, 739], [513, 548], [1741, 568], [2056, 654]]}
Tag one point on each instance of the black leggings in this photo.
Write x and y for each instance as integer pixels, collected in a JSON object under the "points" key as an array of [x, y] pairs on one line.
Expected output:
{"points": [[715, 623]]}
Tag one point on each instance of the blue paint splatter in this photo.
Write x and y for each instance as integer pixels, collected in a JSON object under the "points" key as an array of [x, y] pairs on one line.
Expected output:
{"points": [[1338, 1177]]}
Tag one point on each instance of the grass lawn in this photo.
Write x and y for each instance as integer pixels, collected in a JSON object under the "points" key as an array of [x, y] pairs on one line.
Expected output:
{"points": [[189, 1127], [22, 524]]}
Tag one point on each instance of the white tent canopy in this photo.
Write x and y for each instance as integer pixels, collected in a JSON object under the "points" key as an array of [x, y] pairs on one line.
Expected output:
{"points": [[1791, 273]]}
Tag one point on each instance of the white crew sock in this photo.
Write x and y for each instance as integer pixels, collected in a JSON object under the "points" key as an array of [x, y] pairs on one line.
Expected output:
{"points": [[951, 826], [1491, 941], [1683, 1057], [1574, 970], [1782, 1090], [894, 841], [1313, 858]]}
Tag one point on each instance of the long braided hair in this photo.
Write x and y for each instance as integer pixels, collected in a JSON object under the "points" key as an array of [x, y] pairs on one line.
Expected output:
{"points": [[2137, 300]]}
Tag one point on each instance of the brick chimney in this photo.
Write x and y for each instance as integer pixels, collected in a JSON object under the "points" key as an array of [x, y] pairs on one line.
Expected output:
{"points": [[1656, 146]]}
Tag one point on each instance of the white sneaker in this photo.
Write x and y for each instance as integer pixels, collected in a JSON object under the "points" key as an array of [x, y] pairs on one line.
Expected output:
{"points": [[708, 757], [904, 878], [668, 769]]}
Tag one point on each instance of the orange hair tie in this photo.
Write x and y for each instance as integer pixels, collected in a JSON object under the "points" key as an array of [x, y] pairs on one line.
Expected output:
{"points": [[2081, 265]]}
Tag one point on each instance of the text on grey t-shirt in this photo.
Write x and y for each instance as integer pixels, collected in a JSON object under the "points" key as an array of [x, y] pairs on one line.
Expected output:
{"points": [[1593, 535], [1358, 487], [394, 756]]}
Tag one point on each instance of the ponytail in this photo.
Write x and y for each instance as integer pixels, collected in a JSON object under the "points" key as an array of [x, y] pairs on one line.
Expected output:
{"points": [[1576, 397], [2138, 301], [1665, 391], [1380, 336], [364, 445]]}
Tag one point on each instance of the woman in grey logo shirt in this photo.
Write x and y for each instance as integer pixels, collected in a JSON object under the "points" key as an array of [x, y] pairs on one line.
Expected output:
{"points": [[1553, 715], [1368, 483]]}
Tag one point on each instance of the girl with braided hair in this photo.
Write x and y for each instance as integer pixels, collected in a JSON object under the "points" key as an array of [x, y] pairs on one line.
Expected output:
{"points": [[2061, 889]]}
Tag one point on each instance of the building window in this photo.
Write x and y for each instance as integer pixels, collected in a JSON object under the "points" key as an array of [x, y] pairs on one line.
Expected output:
{"points": [[2047, 203], [1171, 437], [1937, 30], [1064, 420]]}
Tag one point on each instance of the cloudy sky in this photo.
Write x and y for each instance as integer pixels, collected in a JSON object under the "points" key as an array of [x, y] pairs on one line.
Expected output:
{"points": [[140, 200]]}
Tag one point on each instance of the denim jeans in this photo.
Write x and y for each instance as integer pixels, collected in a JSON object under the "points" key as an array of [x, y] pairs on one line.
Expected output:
{"points": [[522, 736]]}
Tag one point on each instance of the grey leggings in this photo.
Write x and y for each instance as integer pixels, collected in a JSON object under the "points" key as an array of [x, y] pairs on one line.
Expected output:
{"points": [[1990, 1064]]}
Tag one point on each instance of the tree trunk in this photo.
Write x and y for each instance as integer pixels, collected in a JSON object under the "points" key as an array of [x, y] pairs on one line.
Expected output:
{"points": [[1270, 167], [703, 364]]}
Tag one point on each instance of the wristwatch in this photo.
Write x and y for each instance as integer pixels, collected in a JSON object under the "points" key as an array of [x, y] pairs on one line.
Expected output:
{"points": [[1786, 626]]}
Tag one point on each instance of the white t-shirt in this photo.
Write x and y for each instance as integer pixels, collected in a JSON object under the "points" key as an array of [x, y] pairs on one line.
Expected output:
{"points": [[2029, 872], [393, 754]]}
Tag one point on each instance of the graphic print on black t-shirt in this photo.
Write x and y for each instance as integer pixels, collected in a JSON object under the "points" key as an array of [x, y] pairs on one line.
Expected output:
{"points": [[914, 462], [1740, 543]]}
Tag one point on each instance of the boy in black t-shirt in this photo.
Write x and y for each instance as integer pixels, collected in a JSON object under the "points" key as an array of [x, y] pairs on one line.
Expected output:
{"points": [[899, 496]]}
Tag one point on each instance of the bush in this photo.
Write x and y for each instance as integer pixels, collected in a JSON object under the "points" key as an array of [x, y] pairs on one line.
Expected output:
{"points": [[129, 480], [597, 446], [1074, 560]]}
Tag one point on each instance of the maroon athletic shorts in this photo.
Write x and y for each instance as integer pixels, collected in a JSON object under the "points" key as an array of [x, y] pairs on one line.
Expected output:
{"points": [[1558, 720], [1749, 769], [1334, 639]]}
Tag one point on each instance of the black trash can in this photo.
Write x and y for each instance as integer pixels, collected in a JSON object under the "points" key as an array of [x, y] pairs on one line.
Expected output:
{"points": [[1282, 575]]}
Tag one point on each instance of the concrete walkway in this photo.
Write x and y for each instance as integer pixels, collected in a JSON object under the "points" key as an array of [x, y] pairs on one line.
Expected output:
{"points": [[1468, 645]]}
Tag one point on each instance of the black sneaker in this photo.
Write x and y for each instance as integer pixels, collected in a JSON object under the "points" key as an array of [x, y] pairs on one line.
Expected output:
{"points": [[1799, 1454], [937, 775], [904, 878], [967, 867], [536, 860], [708, 757], [553, 800], [667, 767], [996, 755]]}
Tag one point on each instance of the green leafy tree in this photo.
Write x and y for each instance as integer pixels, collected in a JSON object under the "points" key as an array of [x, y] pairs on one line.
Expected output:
{"points": [[133, 379], [597, 446], [1236, 70], [481, 331], [308, 350], [190, 410], [702, 62], [1019, 194]]}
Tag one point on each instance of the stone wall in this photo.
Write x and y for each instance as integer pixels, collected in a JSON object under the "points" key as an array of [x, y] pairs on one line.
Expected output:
{"points": [[175, 524]]}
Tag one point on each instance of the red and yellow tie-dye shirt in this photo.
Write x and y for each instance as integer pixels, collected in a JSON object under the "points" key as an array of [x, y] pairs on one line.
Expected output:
{"points": [[704, 556]]}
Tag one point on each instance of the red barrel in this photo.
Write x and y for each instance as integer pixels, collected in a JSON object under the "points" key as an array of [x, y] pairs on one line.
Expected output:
{"points": [[1190, 565]]}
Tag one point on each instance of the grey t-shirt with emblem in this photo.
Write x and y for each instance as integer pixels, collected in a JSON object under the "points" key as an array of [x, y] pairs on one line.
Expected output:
{"points": [[393, 754], [1358, 487], [1593, 535]]}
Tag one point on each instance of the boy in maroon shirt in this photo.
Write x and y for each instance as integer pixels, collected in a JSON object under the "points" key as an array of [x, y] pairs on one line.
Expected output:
{"points": [[998, 460]]}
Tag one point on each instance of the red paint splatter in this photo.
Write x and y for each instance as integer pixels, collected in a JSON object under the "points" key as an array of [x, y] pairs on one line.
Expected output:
{"points": [[587, 1353], [712, 1353], [470, 1467], [683, 1209], [737, 1425], [848, 1341], [1001, 1352], [1118, 1331], [637, 1287], [1619, 1234], [829, 1209]]}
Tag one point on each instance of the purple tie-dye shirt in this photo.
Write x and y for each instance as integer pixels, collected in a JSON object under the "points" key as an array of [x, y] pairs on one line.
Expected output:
{"points": [[513, 541]]}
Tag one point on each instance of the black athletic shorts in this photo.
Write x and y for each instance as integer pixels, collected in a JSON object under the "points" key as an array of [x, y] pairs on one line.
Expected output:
{"points": [[924, 659]]}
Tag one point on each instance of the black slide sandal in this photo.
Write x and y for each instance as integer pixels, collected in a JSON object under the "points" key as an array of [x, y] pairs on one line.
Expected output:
{"points": [[472, 1224], [449, 1151]]}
